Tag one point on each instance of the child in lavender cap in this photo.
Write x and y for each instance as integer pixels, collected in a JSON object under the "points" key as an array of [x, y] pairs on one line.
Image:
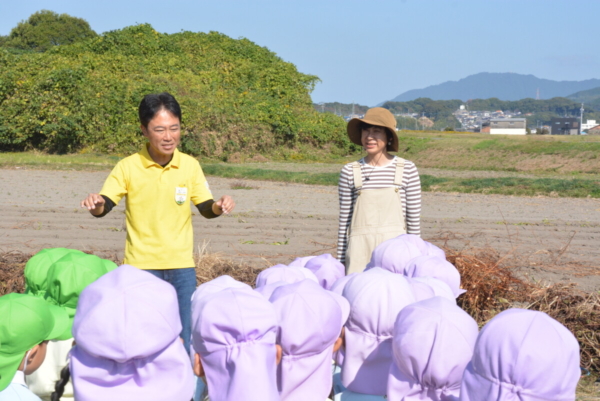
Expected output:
{"points": [[433, 343], [327, 269], [310, 322], [433, 266], [426, 248], [127, 329], [289, 274], [234, 332], [376, 296], [522, 355], [394, 255], [210, 287]]}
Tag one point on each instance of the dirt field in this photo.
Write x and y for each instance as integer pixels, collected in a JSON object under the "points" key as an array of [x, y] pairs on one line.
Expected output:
{"points": [[553, 239]]}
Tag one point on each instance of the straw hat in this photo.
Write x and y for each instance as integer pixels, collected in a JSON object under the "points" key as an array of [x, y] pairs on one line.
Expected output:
{"points": [[375, 116]]}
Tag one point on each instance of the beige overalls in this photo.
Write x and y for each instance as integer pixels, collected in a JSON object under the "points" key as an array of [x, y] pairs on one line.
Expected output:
{"points": [[377, 217]]}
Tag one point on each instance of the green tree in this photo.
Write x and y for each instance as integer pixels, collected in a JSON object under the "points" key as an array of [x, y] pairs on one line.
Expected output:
{"points": [[45, 29]]}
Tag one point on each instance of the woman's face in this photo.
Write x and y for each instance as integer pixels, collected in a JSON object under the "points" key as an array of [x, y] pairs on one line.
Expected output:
{"points": [[374, 139], [163, 133]]}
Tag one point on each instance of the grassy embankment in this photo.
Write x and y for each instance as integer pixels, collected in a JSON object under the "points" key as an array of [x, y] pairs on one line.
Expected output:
{"points": [[466, 163]]}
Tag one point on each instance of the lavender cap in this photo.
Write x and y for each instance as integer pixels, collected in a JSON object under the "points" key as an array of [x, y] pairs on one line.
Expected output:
{"points": [[439, 288], [310, 321], [267, 290], [327, 269], [301, 262], [393, 255], [522, 355], [433, 343], [338, 286], [218, 284], [289, 274], [128, 347], [426, 248], [421, 290], [234, 332], [338, 289], [376, 296], [433, 266]]}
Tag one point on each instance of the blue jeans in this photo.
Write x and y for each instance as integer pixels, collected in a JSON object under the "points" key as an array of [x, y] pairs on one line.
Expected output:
{"points": [[184, 281]]}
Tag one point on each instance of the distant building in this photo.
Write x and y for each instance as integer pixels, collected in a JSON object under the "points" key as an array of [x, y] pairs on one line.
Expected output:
{"points": [[594, 130], [508, 126], [564, 126], [589, 124], [485, 127]]}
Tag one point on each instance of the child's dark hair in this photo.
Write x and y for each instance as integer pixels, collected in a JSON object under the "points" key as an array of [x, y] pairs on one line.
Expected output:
{"points": [[59, 387], [153, 103]]}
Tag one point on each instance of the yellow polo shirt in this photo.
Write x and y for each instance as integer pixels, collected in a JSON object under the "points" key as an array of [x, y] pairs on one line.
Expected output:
{"points": [[158, 213]]}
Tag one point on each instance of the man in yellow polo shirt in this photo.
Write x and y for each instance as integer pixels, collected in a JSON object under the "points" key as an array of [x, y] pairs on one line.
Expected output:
{"points": [[159, 182]]}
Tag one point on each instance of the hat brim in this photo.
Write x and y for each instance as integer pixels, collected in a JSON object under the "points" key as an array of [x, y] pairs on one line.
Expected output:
{"points": [[62, 324], [354, 132], [9, 364]]}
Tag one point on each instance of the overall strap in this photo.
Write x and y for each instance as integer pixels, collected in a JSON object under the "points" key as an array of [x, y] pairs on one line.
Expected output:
{"points": [[399, 171], [358, 183]]}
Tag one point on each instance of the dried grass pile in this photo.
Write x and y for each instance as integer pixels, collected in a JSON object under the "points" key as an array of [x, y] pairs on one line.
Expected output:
{"points": [[12, 265], [492, 287], [211, 266]]}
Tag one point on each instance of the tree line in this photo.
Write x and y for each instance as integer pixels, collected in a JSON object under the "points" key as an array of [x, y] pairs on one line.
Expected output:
{"points": [[80, 91]]}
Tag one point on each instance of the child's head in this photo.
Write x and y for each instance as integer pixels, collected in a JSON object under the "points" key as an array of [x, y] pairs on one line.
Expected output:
{"points": [[310, 322], [234, 332], [394, 255], [216, 285], [433, 343], [438, 287], [68, 277], [433, 266], [525, 355], [26, 324], [128, 347], [37, 267], [376, 296], [327, 269], [289, 274]]}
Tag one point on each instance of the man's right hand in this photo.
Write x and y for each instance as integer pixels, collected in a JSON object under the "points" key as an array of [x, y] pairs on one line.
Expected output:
{"points": [[94, 203]]}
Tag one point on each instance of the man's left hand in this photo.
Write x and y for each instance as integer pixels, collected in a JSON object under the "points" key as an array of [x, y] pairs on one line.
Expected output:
{"points": [[224, 205]]}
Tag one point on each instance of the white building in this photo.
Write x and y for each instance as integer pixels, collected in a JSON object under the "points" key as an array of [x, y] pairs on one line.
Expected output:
{"points": [[588, 125], [508, 126]]}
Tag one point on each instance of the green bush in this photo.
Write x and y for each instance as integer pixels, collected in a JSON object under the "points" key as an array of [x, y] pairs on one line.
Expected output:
{"points": [[235, 95]]}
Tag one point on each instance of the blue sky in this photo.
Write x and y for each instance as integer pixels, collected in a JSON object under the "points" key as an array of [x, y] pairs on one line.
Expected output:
{"points": [[371, 51]]}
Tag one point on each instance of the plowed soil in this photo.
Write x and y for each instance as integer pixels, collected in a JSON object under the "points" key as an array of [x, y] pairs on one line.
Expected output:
{"points": [[550, 239]]}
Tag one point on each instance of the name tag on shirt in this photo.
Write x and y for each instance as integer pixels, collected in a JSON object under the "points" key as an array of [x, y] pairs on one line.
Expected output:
{"points": [[180, 195]]}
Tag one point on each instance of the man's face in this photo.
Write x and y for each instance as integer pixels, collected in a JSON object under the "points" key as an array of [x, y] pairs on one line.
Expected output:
{"points": [[163, 133]]}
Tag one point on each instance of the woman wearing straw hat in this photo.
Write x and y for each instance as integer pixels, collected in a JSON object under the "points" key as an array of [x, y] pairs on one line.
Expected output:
{"points": [[380, 195]]}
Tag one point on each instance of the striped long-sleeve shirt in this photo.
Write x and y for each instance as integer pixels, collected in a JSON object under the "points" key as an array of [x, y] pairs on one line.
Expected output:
{"points": [[379, 177]]}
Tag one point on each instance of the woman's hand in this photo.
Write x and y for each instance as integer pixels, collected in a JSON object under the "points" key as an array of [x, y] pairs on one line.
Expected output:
{"points": [[224, 205]]}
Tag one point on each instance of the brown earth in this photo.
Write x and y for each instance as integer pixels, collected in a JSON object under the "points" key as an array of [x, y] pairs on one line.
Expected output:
{"points": [[552, 239]]}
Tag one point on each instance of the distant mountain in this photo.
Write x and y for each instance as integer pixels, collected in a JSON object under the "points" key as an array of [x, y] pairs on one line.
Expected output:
{"points": [[586, 96], [504, 86]]}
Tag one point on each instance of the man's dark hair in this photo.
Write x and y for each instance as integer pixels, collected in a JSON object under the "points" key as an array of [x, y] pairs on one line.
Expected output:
{"points": [[153, 103]]}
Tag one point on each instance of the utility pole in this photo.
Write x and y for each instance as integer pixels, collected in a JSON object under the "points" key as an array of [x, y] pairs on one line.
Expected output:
{"points": [[581, 119]]}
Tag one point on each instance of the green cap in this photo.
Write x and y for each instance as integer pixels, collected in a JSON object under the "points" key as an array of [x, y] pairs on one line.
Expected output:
{"points": [[36, 269], [67, 277], [26, 321]]}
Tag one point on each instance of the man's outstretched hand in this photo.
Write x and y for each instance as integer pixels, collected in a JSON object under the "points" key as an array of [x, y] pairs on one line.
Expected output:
{"points": [[94, 203], [224, 205]]}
